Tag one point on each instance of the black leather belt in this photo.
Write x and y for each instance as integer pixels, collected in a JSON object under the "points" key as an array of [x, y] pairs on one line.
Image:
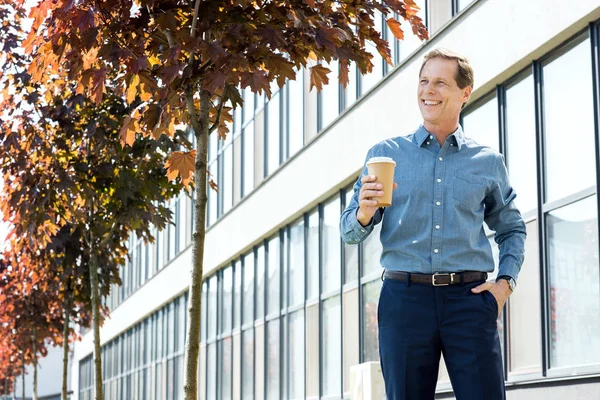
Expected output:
{"points": [[439, 279]]}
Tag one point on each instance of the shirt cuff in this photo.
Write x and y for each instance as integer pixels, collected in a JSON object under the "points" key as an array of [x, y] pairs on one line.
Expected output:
{"points": [[509, 269]]}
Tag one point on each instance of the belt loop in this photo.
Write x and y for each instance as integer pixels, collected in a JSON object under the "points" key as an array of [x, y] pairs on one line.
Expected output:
{"points": [[407, 279], [383, 272]]}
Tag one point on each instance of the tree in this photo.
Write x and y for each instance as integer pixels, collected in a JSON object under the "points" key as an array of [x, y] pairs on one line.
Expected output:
{"points": [[187, 60]]}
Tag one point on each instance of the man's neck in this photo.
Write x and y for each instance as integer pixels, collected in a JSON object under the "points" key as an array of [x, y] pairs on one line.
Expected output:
{"points": [[441, 131]]}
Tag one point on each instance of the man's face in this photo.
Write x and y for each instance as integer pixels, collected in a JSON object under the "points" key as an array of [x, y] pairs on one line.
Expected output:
{"points": [[440, 98]]}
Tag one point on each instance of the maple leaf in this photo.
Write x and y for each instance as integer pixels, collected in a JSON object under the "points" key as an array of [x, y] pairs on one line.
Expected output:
{"points": [[318, 77], [344, 71], [395, 28], [127, 132], [132, 88], [257, 80], [181, 164]]}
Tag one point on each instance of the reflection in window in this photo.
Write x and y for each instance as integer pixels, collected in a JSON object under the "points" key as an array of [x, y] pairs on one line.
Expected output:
{"points": [[332, 350], [330, 104], [371, 300], [481, 124], [331, 245], [569, 123], [312, 274], [574, 284], [273, 132], [296, 279], [521, 144]]}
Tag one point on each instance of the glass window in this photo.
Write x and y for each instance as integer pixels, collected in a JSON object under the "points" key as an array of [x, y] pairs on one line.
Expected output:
{"points": [[313, 255], [296, 274], [332, 349], [273, 366], [462, 4], [574, 284], [260, 282], [248, 109], [351, 334], [331, 246], [248, 306], [204, 317], [237, 365], [212, 307], [273, 132], [248, 143], [370, 331], [296, 357], [248, 364], [237, 294], [226, 364], [351, 90], [372, 251], [569, 123], [330, 103], [273, 290], [481, 124], [212, 194], [182, 222], [211, 370], [521, 143], [227, 298], [350, 252], [312, 351], [438, 12], [369, 80], [296, 114], [524, 311], [213, 143], [411, 41], [259, 361], [227, 189]]}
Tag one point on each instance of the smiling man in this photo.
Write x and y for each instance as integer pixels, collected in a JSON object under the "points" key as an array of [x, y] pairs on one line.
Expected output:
{"points": [[435, 298]]}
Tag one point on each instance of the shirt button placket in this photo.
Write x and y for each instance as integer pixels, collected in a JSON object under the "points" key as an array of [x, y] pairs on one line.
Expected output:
{"points": [[436, 242]]}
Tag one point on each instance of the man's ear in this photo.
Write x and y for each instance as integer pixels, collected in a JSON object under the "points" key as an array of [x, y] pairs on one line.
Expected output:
{"points": [[467, 93]]}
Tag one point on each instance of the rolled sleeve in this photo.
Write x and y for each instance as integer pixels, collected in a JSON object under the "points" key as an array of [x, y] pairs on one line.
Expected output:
{"points": [[502, 216]]}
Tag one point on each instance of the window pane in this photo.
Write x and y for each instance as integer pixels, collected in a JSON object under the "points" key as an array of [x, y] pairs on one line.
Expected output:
{"points": [[211, 370], [273, 134], [350, 252], [524, 310], [273, 290], [248, 109], [521, 144], [203, 310], [330, 104], [370, 332], [332, 350], [313, 255], [296, 275], [369, 80], [248, 305], [248, 139], [260, 282], [248, 364], [569, 114], [372, 251], [296, 349], [312, 351], [212, 307], [227, 189], [296, 114], [237, 365], [331, 246], [350, 331], [463, 3], [273, 366], [237, 294], [259, 362], [227, 297], [212, 195], [350, 90], [411, 42], [574, 284], [481, 124]]}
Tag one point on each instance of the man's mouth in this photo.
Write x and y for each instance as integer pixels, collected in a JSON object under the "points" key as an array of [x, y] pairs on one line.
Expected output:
{"points": [[431, 103]]}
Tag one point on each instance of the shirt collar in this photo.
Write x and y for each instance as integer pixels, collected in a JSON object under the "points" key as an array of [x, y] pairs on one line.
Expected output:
{"points": [[457, 137]]}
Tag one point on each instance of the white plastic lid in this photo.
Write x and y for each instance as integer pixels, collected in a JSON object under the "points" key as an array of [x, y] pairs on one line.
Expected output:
{"points": [[373, 160]]}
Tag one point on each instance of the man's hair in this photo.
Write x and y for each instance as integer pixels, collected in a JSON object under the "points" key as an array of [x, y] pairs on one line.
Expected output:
{"points": [[464, 72]]}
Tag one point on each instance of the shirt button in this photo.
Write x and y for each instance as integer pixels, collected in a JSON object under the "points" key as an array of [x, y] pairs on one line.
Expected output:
{"points": [[437, 203], [437, 227], [362, 230], [451, 144], [430, 136], [427, 142], [435, 251], [439, 180], [440, 158]]}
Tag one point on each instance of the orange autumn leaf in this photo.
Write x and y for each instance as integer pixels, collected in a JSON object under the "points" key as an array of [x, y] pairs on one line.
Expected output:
{"points": [[395, 28], [181, 164]]}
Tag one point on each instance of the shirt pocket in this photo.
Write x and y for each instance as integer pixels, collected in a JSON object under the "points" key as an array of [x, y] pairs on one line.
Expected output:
{"points": [[469, 189]]}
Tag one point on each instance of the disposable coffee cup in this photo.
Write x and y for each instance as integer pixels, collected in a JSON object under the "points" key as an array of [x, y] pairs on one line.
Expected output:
{"points": [[383, 169]]}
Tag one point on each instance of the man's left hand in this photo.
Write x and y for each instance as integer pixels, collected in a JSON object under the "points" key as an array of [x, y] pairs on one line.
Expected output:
{"points": [[500, 290]]}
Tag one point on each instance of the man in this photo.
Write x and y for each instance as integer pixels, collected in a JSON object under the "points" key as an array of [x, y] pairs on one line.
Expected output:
{"points": [[435, 298]]}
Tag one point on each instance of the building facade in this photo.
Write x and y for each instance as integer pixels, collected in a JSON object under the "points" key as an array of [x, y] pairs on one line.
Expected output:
{"points": [[288, 308]]}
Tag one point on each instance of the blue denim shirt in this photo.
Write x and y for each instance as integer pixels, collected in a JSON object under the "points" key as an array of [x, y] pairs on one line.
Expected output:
{"points": [[444, 195]]}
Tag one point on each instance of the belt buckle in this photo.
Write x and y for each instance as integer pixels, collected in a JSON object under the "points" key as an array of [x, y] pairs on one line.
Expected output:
{"points": [[442, 284]]}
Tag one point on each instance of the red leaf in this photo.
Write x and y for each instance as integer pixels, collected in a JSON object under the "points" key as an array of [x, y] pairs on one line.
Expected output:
{"points": [[318, 76]]}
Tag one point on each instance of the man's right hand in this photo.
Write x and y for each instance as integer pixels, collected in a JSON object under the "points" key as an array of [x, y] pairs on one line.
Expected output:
{"points": [[367, 199]]}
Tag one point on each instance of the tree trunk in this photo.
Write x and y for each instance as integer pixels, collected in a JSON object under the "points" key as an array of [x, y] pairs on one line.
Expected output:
{"points": [[66, 344], [200, 125], [23, 364], [96, 324], [35, 365]]}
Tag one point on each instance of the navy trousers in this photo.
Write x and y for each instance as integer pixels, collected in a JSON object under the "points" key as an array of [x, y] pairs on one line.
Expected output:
{"points": [[417, 323]]}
